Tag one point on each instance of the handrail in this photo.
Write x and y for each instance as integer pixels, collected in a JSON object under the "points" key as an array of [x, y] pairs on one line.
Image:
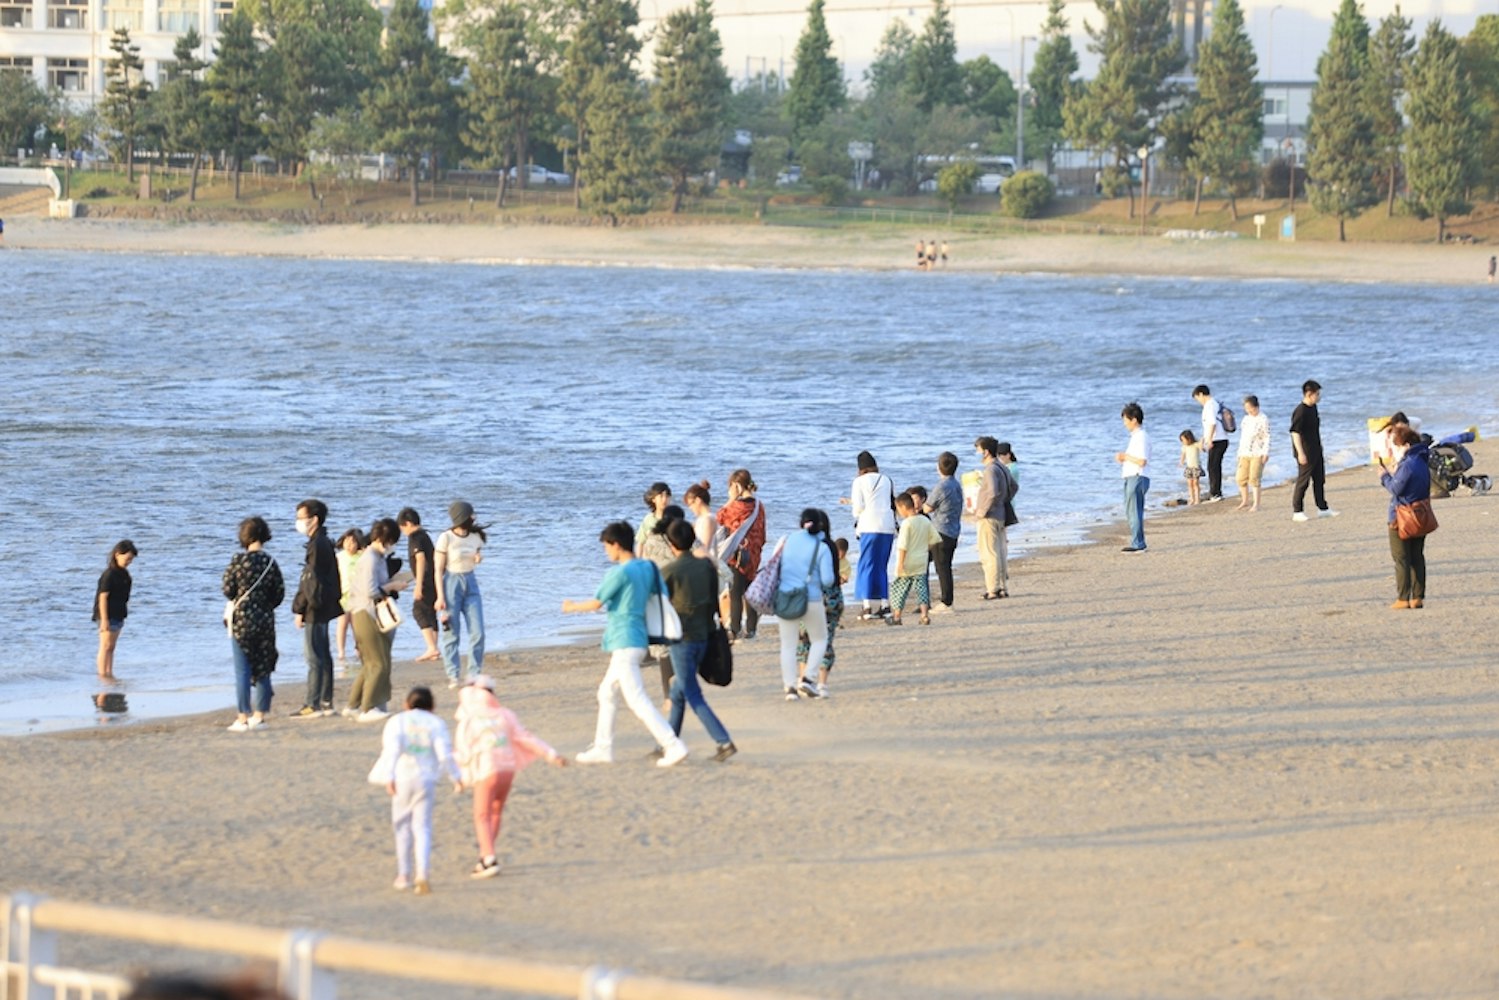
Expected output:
{"points": [[245, 940]]}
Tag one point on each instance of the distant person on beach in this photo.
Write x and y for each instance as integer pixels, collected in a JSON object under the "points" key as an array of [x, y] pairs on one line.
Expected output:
{"points": [[1010, 462], [743, 521], [1409, 482], [944, 253], [657, 498], [459, 604], [1215, 434], [1254, 451], [699, 503], [350, 544], [1493, 261], [921, 255], [625, 589], [254, 588], [832, 599], [491, 747], [1306, 442], [993, 509], [1133, 462], [1191, 466], [422, 557], [2, 243], [692, 583], [912, 553], [318, 602], [112, 604], [931, 255], [806, 569], [872, 497], [370, 692], [945, 507], [415, 751]]}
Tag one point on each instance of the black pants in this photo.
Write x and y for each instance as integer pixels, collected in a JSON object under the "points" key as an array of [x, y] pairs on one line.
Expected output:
{"points": [[1215, 467], [740, 609], [942, 560], [1314, 472], [1410, 566]]}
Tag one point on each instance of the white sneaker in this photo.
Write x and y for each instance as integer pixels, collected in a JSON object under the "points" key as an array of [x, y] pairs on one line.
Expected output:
{"points": [[239, 726], [256, 722], [941, 609], [1300, 515], [349, 713], [595, 755], [674, 755], [1327, 513], [376, 714], [401, 884], [822, 691]]}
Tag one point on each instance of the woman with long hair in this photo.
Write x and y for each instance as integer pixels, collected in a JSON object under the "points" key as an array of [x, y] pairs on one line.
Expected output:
{"points": [[459, 603], [742, 518]]}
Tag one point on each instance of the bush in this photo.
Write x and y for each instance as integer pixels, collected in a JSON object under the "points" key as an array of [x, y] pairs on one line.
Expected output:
{"points": [[1026, 195], [1276, 178], [830, 191]]}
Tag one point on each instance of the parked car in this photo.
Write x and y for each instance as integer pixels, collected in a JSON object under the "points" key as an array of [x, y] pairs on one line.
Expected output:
{"points": [[789, 177], [989, 183], [539, 176]]}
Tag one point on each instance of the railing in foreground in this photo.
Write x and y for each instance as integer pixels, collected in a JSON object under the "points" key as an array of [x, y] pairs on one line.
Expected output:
{"points": [[308, 962]]}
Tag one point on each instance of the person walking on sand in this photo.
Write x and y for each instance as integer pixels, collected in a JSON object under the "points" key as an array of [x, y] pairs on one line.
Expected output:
{"points": [[623, 593], [1254, 451], [832, 599], [807, 568], [945, 507], [492, 747], [1409, 482], [317, 603], [112, 604], [370, 691], [1133, 463], [693, 584], [415, 751], [459, 604], [1215, 432], [1306, 442], [421, 555], [992, 507], [742, 522], [872, 498], [254, 588]]}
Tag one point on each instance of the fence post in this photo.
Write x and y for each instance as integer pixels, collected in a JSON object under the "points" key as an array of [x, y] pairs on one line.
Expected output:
{"points": [[599, 983], [26, 948], [299, 976]]}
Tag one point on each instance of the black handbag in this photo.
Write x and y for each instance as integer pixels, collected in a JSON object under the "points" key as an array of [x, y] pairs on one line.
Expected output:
{"points": [[717, 666]]}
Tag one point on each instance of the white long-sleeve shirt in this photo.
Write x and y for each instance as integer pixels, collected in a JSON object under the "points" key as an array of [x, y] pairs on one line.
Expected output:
{"points": [[871, 497], [414, 746]]}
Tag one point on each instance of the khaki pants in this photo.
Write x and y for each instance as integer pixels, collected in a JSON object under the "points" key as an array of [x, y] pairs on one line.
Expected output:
{"points": [[372, 686], [993, 554]]}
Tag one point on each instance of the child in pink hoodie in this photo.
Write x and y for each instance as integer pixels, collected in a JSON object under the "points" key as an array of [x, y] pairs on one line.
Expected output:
{"points": [[492, 746]]}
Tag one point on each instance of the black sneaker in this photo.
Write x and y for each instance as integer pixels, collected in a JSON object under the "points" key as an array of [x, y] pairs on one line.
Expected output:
{"points": [[725, 751], [791, 694]]}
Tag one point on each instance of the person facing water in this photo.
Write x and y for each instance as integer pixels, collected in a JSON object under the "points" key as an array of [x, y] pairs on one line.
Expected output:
{"points": [[112, 604]]}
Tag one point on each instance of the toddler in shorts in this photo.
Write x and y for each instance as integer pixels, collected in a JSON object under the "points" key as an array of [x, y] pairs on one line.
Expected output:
{"points": [[1191, 464]]}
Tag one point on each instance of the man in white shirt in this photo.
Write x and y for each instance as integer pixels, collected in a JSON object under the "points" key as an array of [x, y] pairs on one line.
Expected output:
{"points": [[1133, 461], [1214, 440]]}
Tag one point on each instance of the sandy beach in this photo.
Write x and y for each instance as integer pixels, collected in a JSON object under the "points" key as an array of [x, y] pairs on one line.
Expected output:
{"points": [[1222, 768], [769, 246]]}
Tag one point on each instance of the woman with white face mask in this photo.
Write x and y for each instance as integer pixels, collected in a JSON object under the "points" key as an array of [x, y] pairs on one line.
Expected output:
{"points": [[1409, 482]]}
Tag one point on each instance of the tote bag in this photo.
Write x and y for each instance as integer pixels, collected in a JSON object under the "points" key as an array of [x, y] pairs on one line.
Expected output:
{"points": [[761, 594], [1415, 520], [662, 623], [717, 664]]}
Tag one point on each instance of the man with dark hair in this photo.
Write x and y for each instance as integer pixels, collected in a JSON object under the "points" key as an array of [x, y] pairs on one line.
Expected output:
{"points": [[317, 603], [991, 507], [419, 554], [1306, 442], [1134, 461], [1214, 440]]}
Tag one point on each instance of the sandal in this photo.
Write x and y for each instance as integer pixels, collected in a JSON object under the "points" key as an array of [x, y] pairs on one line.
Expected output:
{"points": [[926, 619]]}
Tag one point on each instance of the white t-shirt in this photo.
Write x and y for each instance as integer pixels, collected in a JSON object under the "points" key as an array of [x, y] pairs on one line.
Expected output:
{"points": [[871, 496], [459, 550], [1254, 435], [1137, 454], [1212, 421]]}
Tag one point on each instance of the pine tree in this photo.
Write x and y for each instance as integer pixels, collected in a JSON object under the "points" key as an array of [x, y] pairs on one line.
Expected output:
{"points": [[616, 164], [1444, 142], [234, 89], [126, 92], [935, 77], [412, 103], [504, 94], [183, 104], [1228, 112], [691, 89], [1123, 108], [1052, 81], [1390, 51], [891, 67], [817, 88], [603, 40], [1480, 52], [1341, 158]]}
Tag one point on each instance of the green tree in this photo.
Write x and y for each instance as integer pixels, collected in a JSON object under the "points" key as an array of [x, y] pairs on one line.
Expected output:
{"points": [[1341, 157], [1444, 135], [616, 164], [1480, 50], [71, 128], [1052, 81], [988, 91], [1390, 51], [340, 139], [817, 88], [935, 77], [1228, 112], [955, 182], [234, 87], [504, 94], [891, 67], [1026, 195], [603, 41], [24, 108], [691, 89], [412, 103], [182, 103], [126, 92], [1123, 108]]}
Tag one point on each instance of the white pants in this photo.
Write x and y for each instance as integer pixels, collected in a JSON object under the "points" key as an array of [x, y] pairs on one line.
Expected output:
{"points": [[411, 819], [815, 621], [623, 677]]}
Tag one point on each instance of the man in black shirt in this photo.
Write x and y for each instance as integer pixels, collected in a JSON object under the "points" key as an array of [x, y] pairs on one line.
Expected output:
{"points": [[317, 603], [1306, 442]]}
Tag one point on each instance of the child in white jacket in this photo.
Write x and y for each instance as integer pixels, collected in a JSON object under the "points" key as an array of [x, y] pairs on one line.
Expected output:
{"points": [[492, 747], [415, 752]]}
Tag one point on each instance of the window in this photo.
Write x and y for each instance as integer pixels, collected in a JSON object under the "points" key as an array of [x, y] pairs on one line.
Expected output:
{"points": [[69, 15], [18, 64], [221, 11], [15, 14], [177, 16], [68, 75], [1275, 107], [128, 14]]}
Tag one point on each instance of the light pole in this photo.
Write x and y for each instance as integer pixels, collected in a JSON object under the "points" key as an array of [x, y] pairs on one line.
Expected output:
{"points": [[1020, 109], [1144, 152]]}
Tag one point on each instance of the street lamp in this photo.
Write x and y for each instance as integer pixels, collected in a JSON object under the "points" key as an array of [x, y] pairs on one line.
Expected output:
{"points": [[1020, 108], [1144, 152]]}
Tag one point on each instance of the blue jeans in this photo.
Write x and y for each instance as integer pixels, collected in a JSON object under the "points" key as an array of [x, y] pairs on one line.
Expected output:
{"points": [[685, 657], [466, 608], [319, 657], [242, 684], [1134, 508]]}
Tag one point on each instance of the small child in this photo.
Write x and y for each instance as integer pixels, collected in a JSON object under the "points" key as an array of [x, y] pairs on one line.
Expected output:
{"points": [[912, 551], [492, 747], [845, 568], [1191, 463], [415, 751], [111, 604], [350, 544]]}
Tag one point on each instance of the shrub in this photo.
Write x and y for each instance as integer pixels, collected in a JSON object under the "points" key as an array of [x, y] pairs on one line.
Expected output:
{"points": [[1025, 195], [830, 190]]}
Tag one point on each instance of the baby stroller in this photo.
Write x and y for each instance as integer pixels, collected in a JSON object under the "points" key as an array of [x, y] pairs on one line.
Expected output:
{"points": [[1450, 464]]}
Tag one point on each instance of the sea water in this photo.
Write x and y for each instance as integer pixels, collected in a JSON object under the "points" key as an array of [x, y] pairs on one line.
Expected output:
{"points": [[165, 398]]}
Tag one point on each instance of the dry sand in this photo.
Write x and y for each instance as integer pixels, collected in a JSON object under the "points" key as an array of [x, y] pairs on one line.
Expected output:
{"points": [[1223, 768], [771, 246]]}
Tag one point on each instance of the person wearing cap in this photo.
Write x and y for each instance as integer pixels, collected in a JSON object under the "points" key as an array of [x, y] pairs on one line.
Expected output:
{"points": [[458, 600], [491, 747]]}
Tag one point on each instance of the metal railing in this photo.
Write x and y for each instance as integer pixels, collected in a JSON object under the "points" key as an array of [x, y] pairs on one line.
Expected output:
{"points": [[308, 962]]}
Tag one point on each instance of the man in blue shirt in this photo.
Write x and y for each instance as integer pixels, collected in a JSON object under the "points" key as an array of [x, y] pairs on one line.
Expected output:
{"points": [[946, 510], [624, 592]]}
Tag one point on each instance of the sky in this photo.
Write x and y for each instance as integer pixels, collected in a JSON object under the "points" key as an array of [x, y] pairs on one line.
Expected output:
{"points": [[763, 33]]}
